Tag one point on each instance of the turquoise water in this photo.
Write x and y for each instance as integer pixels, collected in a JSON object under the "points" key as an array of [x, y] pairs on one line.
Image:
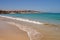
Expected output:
{"points": [[53, 18]]}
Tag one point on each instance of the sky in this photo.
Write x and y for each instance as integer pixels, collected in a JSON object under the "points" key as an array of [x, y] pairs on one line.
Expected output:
{"points": [[41, 5]]}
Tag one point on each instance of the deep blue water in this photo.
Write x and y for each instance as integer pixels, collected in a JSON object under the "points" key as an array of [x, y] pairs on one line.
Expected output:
{"points": [[53, 18]]}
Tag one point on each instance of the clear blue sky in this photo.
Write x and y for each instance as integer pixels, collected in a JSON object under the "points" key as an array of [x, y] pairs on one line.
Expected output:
{"points": [[43, 5]]}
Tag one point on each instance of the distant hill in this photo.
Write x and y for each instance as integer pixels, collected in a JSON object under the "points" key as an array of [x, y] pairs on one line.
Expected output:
{"points": [[17, 11]]}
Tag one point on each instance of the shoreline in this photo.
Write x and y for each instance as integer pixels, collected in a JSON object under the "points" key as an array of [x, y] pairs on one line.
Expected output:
{"points": [[44, 31], [21, 19], [32, 33]]}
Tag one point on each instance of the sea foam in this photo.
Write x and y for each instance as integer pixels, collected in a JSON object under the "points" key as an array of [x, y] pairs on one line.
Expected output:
{"points": [[21, 19], [32, 33]]}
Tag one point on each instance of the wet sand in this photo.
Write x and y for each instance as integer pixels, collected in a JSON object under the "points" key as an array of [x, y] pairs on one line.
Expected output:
{"points": [[11, 32], [48, 31]]}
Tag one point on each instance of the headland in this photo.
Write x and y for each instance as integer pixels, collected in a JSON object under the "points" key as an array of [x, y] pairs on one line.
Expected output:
{"points": [[18, 11]]}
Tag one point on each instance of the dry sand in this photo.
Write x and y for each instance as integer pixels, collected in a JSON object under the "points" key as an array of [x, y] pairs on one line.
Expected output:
{"points": [[11, 32]]}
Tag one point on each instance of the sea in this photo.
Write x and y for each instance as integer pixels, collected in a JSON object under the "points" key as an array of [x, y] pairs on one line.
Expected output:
{"points": [[51, 18]]}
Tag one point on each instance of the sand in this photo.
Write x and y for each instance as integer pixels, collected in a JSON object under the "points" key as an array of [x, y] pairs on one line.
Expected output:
{"points": [[11, 32]]}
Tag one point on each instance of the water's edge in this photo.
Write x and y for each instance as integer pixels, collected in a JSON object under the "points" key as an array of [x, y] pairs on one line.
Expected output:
{"points": [[32, 33], [21, 19]]}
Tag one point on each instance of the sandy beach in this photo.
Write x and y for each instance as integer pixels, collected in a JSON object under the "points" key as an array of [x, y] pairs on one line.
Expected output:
{"points": [[9, 30]]}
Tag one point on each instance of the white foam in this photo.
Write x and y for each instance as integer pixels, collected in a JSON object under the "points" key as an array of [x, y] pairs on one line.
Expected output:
{"points": [[32, 33], [21, 19]]}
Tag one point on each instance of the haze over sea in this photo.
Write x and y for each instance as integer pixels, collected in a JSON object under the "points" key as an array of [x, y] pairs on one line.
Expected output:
{"points": [[52, 18]]}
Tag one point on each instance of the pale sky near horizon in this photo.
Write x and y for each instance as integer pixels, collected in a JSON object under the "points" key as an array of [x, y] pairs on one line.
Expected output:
{"points": [[42, 5]]}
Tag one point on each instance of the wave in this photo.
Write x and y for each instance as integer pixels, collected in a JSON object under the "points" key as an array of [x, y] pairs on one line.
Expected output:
{"points": [[25, 20], [32, 33]]}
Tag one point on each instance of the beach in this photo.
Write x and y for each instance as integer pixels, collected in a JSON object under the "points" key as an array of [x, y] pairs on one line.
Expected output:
{"points": [[29, 31], [29, 19]]}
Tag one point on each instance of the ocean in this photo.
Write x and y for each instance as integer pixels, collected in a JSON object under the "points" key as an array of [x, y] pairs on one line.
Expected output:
{"points": [[51, 18]]}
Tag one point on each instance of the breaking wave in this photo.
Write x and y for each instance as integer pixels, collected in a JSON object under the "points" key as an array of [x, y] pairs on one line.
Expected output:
{"points": [[21, 19]]}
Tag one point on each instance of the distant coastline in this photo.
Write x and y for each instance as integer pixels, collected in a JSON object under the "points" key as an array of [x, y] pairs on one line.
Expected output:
{"points": [[18, 11]]}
